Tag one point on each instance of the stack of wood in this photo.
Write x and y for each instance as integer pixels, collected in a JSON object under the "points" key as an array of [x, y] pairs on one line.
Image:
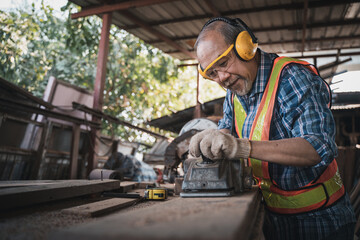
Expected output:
{"points": [[18, 194]]}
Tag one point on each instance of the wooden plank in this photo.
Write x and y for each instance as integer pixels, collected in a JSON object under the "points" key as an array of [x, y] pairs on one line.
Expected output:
{"points": [[168, 185], [24, 183], [143, 185], [100, 208], [177, 218], [141, 192], [25, 196], [128, 186]]}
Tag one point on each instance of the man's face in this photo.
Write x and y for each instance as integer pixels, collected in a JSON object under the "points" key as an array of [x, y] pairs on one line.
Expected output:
{"points": [[229, 71]]}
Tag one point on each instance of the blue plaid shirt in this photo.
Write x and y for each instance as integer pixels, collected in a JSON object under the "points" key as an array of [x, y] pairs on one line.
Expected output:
{"points": [[300, 111]]}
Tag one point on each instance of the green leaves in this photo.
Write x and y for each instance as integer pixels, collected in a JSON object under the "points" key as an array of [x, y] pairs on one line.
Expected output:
{"points": [[142, 83]]}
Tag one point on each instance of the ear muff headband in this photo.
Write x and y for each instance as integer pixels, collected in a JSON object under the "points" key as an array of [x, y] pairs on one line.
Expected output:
{"points": [[245, 43]]}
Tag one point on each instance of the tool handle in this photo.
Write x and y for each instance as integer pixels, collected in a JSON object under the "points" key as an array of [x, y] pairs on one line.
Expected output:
{"points": [[206, 160]]}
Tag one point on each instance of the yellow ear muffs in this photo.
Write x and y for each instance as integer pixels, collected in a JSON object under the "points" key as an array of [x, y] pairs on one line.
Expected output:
{"points": [[244, 46]]}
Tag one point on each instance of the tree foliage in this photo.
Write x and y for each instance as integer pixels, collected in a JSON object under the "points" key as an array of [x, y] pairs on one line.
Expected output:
{"points": [[142, 83]]}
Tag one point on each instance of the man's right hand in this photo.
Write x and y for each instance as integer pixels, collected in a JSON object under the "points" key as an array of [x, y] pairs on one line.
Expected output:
{"points": [[216, 145]]}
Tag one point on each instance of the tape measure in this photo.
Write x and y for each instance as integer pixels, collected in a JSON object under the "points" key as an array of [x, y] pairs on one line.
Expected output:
{"points": [[155, 194]]}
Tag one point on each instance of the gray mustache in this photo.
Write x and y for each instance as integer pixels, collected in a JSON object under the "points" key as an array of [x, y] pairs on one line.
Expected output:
{"points": [[229, 83]]}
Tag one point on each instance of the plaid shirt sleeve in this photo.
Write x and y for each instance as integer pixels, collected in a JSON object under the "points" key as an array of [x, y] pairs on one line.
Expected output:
{"points": [[303, 104], [226, 121]]}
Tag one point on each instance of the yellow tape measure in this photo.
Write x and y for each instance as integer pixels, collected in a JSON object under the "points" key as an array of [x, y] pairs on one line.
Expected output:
{"points": [[156, 194]]}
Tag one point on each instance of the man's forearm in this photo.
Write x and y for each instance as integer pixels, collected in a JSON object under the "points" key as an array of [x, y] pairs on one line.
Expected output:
{"points": [[292, 151]]}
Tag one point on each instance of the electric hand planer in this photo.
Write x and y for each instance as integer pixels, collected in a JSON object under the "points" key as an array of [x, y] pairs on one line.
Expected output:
{"points": [[215, 178]]}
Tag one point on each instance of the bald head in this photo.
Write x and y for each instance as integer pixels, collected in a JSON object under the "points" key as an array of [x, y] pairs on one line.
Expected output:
{"points": [[213, 49], [227, 31]]}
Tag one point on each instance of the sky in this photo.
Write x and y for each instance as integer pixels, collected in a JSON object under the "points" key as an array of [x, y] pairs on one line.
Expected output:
{"points": [[348, 81], [6, 5]]}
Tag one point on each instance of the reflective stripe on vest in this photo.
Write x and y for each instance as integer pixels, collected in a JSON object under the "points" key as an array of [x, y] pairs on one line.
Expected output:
{"points": [[323, 192]]}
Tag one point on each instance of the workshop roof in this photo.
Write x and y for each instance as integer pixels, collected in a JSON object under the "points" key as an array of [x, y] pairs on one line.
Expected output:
{"points": [[280, 26]]}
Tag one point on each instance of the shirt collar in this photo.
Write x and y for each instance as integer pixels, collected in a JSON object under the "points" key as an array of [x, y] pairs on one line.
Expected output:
{"points": [[263, 72]]}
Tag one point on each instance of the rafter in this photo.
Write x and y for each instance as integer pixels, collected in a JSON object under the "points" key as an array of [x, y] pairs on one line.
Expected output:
{"points": [[328, 55], [354, 37], [302, 57], [212, 8], [290, 6], [116, 7], [333, 64], [156, 33], [279, 28]]}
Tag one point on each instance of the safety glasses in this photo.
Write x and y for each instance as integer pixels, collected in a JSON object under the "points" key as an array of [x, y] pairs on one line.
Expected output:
{"points": [[219, 64]]}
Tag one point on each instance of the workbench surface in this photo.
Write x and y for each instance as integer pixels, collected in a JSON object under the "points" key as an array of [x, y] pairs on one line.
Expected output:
{"points": [[239, 216]]}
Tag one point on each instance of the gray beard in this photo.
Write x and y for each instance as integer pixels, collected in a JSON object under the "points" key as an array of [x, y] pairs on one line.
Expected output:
{"points": [[245, 90]]}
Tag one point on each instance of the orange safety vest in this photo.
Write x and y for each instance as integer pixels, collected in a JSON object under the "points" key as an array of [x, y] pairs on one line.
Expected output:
{"points": [[322, 192]]}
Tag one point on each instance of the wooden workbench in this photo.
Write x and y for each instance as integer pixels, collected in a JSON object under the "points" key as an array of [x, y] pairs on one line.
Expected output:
{"points": [[237, 217]]}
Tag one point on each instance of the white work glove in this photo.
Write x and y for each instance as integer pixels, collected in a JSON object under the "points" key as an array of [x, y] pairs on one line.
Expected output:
{"points": [[215, 145]]}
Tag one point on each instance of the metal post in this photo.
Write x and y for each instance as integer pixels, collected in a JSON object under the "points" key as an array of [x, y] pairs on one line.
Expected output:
{"points": [[198, 112], [99, 85], [306, 5]]}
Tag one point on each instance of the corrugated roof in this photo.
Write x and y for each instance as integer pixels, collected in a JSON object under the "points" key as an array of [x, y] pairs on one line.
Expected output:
{"points": [[172, 26], [280, 26]]}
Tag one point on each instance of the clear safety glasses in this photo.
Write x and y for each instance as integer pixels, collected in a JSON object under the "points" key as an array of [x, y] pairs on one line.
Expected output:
{"points": [[219, 64]]}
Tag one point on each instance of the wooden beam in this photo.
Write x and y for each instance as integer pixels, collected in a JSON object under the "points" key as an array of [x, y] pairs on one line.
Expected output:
{"points": [[99, 208], [74, 157], [128, 186], [9, 104], [41, 151], [99, 86], [101, 114], [25, 196], [117, 7], [25, 93], [156, 33]]}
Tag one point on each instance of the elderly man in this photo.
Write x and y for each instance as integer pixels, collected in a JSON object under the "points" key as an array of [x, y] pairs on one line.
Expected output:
{"points": [[277, 116]]}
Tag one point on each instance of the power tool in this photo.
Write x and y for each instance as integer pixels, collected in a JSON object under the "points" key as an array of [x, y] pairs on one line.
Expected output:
{"points": [[208, 178]]}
